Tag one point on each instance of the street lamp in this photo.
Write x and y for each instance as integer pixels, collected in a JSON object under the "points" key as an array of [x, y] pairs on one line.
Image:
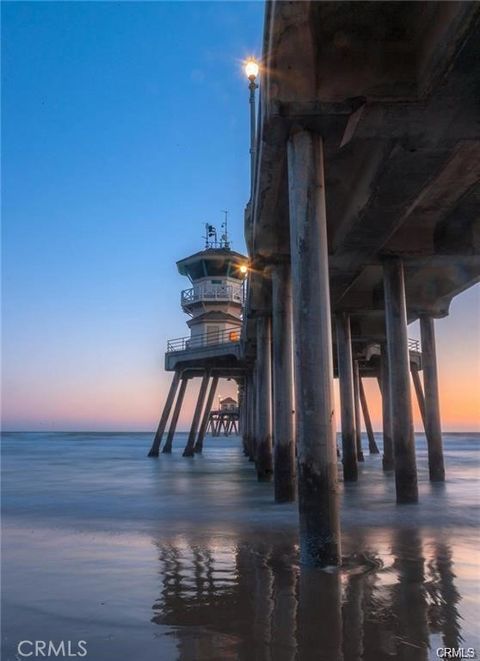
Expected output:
{"points": [[251, 71]]}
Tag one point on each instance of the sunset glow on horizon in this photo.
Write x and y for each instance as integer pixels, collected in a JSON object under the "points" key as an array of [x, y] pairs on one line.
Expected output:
{"points": [[109, 175]]}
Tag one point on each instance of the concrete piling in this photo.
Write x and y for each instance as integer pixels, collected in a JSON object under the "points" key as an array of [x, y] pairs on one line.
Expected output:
{"points": [[399, 373], [358, 420], [252, 421], [154, 450], [206, 413], [317, 461], [167, 448], [419, 392], [432, 404], [263, 455], [345, 379], [283, 390], [189, 448], [372, 445], [388, 461]]}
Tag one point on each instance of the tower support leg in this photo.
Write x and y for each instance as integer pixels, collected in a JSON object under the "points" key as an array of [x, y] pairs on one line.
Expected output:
{"points": [[154, 450], [283, 406], [316, 442], [345, 379], [206, 414], [432, 403], [372, 445], [398, 367], [189, 452], [167, 448]]}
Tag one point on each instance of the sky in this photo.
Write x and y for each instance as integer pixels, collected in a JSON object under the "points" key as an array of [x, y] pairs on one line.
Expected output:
{"points": [[124, 129]]}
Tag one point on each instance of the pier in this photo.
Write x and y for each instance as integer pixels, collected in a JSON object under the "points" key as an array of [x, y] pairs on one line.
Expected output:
{"points": [[363, 218]]}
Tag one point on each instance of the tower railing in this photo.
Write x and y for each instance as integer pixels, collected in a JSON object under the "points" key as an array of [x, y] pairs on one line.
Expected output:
{"points": [[205, 341], [211, 292], [414, 345]]}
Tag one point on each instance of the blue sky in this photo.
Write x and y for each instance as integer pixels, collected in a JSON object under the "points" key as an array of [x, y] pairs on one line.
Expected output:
{"points": [[125, 128]]}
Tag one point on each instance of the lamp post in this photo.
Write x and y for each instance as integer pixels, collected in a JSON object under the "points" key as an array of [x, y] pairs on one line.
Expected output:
{"points": [[251, 71]]}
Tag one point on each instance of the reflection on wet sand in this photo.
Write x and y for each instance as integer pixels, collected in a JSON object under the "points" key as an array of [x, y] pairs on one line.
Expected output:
{"points": [[252, 600]]}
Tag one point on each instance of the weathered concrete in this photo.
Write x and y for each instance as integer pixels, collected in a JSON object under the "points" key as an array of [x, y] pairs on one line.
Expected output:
{"points": [[154, 451], [317, 461], [263, 436], [347, 405], [208, 407], [432, 405], [372, 445], [399, 377], [388, 462], [167, 448], [358, 420], [283, 387], [189, 447]]}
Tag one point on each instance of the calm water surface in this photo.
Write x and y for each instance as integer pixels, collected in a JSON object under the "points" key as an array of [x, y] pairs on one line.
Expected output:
{"points": [[175, 558]]}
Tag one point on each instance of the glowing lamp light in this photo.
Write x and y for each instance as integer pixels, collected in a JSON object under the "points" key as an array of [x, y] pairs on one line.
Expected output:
{"points": [[243, 268], [251, 68]]}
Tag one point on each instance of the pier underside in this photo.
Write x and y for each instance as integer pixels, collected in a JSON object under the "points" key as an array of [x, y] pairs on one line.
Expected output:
{"points": [[364, 216]]}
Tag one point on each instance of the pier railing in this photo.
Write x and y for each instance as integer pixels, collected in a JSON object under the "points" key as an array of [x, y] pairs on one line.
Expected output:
{"points": [[205, 341], [209, 292]]}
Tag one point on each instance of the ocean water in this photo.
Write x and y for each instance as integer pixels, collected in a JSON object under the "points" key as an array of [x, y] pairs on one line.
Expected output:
{"points": [[176, 558]]}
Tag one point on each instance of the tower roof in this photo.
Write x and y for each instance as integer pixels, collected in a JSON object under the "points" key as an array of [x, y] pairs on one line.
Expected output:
{"points": [[213, 262]]}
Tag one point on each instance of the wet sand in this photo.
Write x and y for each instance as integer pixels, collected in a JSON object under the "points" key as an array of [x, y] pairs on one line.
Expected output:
{"points": [[190, 559]]}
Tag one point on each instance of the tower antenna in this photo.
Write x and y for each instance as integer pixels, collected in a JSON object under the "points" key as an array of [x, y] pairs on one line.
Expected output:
{"points": [[225, 243], [210, 236]]}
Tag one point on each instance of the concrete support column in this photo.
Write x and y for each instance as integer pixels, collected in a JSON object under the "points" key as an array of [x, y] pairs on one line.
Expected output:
{"points": [[388, 462], [358, 419], [399, 372], [263, 456], [241, 406], [253, 417], [419, 392], [244, 413], [372, 445], [154, 450], [432, 403], [283, 390], [206, 415], [316, 442], [189, 448], [167, 448], [345, 380]]}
